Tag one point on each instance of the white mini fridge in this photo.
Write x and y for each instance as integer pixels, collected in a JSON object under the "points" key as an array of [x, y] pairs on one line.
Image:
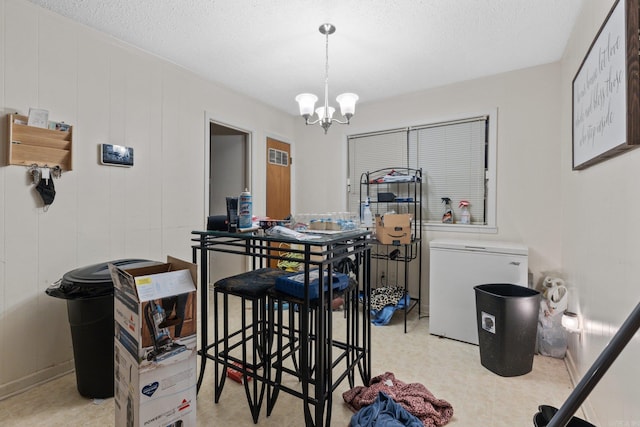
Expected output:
{"points": [[456, 266]]}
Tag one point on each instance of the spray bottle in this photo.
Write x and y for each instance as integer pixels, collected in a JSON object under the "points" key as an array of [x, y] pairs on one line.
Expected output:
{"points": [[447, 216], [465, 216], [245, 215]]}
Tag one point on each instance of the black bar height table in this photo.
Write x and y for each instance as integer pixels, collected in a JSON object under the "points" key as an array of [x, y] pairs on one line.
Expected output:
{"points": [[318, 371]]}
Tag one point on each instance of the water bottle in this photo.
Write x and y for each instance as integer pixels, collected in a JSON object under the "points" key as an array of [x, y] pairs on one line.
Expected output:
{"points": [[245, 210], [367, 217]]}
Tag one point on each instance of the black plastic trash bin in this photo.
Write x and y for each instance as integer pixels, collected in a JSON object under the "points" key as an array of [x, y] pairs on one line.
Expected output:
{"points": [[89, 294], [507, 317]]}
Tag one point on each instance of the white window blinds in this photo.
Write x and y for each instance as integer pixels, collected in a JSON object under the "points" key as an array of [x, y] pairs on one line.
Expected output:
{"points": [[452, 155], [372, 152], [452, 158]]}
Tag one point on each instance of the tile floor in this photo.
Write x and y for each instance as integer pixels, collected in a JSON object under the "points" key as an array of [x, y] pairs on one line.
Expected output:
{"points": [[451, 370]]}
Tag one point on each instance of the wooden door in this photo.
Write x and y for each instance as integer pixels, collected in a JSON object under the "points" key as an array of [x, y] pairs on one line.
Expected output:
{"points": [[278, 181]]}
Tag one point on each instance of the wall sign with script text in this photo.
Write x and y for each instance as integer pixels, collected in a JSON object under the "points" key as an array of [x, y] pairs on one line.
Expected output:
{"points": [[606, 103]]}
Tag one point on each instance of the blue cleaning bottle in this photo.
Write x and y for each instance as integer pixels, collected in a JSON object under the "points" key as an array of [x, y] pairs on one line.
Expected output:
{"points": [[245, 214]]}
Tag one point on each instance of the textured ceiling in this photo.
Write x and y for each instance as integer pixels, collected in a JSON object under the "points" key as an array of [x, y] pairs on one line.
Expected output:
{"points": [[272, 49]]}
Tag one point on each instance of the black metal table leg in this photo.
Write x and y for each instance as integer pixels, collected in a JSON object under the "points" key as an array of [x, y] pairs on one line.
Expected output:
{"points": [[204, 304]]}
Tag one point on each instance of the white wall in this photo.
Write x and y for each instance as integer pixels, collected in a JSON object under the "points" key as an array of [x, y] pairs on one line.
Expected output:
{"points": [[112, 93], [600, 247], [528, 156]]}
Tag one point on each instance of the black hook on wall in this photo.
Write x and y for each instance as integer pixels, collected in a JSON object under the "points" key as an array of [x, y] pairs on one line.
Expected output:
{"points": [[36, 172]]}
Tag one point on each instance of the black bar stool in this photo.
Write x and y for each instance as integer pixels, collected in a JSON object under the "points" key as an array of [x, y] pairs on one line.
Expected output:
{"points": [[245, 349], [287, 341]]}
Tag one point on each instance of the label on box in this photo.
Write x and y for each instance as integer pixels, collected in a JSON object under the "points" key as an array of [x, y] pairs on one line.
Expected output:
{"points": [[158, 286]]}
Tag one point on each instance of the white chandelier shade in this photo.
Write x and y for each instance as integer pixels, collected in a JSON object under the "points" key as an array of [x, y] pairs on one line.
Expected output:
{"points": [[347, 103], [306, 102]]}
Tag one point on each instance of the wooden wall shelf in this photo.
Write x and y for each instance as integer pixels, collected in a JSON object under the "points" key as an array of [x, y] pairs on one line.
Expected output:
{"points": [[30, 145]]}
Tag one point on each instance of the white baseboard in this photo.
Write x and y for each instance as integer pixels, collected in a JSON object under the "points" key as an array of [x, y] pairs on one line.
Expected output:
{"points": [[40, 377], [588, 414]]}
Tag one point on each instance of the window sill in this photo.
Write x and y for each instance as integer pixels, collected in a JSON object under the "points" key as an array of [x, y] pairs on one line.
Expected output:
{"points": [[461, 228]]}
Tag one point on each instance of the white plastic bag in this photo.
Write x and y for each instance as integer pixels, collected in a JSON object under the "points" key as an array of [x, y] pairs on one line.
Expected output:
{"points": [[555, 292], [552, 337]]}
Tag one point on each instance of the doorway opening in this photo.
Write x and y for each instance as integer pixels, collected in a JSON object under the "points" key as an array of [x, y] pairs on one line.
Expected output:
{"points": [[229, 159]]}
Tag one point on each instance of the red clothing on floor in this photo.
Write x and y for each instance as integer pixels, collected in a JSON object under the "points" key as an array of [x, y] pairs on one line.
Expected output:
{"points": [[414, 397]]}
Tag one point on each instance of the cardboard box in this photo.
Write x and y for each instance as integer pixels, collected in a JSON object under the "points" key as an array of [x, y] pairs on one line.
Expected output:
{"points": [[155, 312], [393, 229]]}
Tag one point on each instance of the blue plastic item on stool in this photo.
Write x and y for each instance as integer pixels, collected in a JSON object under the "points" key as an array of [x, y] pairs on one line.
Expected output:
{"points": [[293, 284]]}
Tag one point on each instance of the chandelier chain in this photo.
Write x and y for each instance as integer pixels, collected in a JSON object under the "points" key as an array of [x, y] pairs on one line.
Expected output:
{"points": [[326, 76]]}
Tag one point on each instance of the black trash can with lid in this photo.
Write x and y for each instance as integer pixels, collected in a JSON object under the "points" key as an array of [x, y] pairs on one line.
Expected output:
{"points": [[89, 294], [507, 317]]}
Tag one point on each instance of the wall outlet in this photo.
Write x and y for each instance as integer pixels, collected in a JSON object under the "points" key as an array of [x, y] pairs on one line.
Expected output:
{"points": [[392, 279]]}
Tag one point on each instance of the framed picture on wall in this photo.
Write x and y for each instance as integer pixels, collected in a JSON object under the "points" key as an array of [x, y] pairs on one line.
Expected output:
{"points": [[116, 155], [606, 102]]}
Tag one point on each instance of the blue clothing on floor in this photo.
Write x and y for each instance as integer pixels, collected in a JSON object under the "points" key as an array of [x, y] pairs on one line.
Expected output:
{"points": [[382, 317], [384, 412]]}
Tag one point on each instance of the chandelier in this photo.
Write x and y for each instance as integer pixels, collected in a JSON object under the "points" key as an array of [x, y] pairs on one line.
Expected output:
{"points": [[307, 101]]}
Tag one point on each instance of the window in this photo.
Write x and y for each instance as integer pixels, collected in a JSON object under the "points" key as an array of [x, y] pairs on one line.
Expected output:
{"points": [[457, 158], [278, 157]]}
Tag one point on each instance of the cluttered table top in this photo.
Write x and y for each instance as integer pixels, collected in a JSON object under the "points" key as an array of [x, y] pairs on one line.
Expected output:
{"points": [[287, 235]]}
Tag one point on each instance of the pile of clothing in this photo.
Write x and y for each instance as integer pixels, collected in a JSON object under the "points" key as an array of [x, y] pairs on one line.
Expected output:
{"points": [[388, 401], [385, 301]]}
